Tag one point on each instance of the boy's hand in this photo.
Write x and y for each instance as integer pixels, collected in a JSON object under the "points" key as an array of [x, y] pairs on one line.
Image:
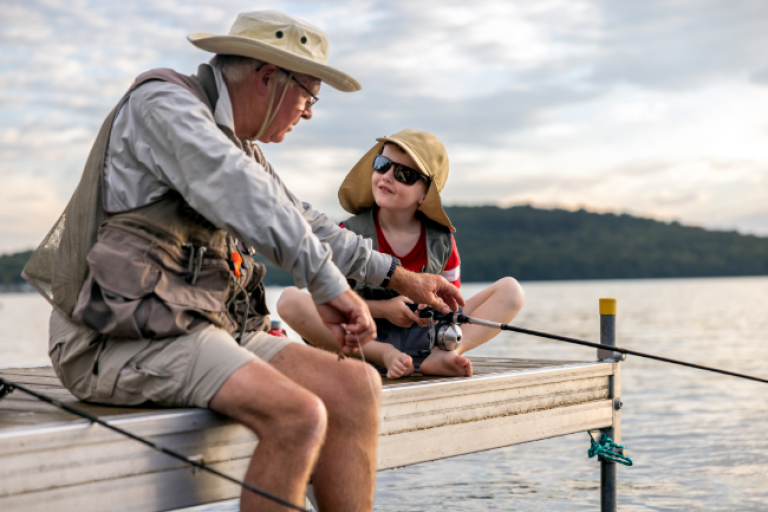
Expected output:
{"points": [[348, 318], [429, 289], [396, 310]]}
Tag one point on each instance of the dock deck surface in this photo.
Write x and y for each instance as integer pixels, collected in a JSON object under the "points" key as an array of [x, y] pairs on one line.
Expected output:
{"points": [[49, 457]]}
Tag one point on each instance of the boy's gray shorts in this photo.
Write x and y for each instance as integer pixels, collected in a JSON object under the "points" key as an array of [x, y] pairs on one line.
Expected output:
{"points": [[413, 340], [183, 371]]}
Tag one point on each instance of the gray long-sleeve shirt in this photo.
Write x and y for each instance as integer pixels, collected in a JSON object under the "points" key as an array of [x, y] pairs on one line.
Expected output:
{"points": [[164, 138]]}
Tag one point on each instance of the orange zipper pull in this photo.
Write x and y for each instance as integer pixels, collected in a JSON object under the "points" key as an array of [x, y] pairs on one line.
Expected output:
{"points": [[238, 261]]}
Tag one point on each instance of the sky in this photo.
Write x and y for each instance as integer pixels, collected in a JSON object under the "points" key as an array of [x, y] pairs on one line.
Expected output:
{"points": [[657, 108]]}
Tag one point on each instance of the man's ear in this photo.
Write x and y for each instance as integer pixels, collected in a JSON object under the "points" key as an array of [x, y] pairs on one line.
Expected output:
{"points": [[263, 76]]}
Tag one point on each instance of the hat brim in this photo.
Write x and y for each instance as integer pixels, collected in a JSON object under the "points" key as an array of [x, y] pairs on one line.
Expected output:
{"points": [[246, 47], [356, 194]]}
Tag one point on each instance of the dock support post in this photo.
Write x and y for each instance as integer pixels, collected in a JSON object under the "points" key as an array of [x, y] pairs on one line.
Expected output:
{"points": [[608, 481]]}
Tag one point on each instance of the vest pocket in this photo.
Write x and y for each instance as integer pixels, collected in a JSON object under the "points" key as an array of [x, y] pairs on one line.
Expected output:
{"points": [[137, 287]]}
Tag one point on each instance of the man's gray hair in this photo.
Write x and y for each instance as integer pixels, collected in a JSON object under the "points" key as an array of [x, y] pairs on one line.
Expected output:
{"points": [[236, 68]]}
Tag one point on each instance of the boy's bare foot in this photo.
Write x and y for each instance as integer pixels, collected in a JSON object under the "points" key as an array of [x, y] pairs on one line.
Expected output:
{"points": [[443, 362], [398, 364]]}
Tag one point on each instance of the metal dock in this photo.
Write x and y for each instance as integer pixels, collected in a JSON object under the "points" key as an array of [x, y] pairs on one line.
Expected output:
{"points": [[49, 458]]}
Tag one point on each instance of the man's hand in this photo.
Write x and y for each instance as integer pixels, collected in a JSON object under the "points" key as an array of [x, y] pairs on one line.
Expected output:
{"points": [[348, 318], [430, 289]]}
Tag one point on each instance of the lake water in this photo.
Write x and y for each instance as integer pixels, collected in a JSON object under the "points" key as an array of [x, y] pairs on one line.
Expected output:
{"points": [[699, 440]]}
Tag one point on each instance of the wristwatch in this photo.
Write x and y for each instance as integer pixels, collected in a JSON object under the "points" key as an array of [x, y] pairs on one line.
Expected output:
{"points": [[395, 263]]}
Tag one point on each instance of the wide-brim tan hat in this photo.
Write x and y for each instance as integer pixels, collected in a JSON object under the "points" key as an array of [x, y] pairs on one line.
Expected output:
{"points": [[279, 39], [356, 194]]}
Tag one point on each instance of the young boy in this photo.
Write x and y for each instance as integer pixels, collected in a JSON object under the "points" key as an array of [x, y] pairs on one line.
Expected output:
{"points": [[394, 194]]}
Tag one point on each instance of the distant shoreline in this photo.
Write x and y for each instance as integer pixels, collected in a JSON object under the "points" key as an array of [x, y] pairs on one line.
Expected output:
{"points": [[17, 288], [534, 244], [27, 288]]}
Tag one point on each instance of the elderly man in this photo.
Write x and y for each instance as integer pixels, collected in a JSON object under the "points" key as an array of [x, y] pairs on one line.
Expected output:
{"points": [[156, 297]]}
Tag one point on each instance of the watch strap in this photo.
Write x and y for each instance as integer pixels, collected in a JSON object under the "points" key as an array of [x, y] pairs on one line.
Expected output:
{"points": [[395, 263]]}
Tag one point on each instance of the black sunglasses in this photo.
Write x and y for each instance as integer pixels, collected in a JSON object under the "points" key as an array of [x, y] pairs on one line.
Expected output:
{"points": [[403, 174]]}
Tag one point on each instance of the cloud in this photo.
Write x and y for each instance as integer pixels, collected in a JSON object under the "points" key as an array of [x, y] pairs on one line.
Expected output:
{"points": [[674, 44], [760, 76], [564, 102], [671, 198], [752, 224]]}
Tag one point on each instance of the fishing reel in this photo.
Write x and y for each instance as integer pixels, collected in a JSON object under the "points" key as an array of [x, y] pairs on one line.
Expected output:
{"points": [[444, 330]]}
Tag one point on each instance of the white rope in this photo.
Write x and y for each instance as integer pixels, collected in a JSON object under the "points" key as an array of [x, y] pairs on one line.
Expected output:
{"points": [[270, 115]]}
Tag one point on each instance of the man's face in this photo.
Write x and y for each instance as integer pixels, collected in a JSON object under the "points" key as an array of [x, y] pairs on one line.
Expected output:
{"points": [[295, 106]]}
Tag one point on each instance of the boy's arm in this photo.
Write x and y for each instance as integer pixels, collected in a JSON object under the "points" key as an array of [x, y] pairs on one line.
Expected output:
{"points": [[376, 310], [396, 311]]}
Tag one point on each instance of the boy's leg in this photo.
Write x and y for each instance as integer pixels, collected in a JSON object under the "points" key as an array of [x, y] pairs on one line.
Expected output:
{"points": [[500, 302], [398, 364], [296, 308], [446, 363]]}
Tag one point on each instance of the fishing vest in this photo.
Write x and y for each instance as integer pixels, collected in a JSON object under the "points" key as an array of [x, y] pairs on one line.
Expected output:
{"points": [[439, 247], [155, 271]]}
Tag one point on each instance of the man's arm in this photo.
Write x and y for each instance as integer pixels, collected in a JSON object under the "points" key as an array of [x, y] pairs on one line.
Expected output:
{"points": [[430, 289], [352, 254], [181, 145]]}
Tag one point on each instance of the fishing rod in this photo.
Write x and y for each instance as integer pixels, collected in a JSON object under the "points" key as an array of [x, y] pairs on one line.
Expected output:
{"points": [[444, 334], [7, 386]]}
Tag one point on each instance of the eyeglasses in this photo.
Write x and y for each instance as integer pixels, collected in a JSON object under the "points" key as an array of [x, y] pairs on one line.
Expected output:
{"points": [[312, 100], [403, 174]]}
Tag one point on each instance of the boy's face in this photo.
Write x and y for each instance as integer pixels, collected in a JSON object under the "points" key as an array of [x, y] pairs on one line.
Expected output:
{"points": [[390, 193]]}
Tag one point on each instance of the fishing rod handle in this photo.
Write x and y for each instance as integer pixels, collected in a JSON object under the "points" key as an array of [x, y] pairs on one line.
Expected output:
{"points": [[485, 323], [427, 312]]}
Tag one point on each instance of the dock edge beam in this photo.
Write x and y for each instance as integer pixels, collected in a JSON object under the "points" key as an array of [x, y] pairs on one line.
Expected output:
{"points": [[608, 477]]}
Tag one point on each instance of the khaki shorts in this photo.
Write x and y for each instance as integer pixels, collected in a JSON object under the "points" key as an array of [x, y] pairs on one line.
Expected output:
{"points": [[185, 371]]}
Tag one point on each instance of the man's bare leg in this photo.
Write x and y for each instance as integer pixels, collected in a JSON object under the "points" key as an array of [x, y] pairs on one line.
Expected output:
{"points": [[290, 422], [500, 302], [345, 475]]}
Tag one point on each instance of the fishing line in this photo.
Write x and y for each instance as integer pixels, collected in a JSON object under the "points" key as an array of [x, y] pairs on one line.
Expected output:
{"points": [[463, 319], [12, 385], [362, 356]]}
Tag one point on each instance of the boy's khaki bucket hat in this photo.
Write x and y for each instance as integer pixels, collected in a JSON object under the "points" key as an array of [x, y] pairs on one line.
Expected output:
{"points": [[279, 39], [356, 195]]}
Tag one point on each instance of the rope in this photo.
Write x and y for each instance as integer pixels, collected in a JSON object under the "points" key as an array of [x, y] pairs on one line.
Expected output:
{"points": [[10, 386], [608, 450], [270, 115]]}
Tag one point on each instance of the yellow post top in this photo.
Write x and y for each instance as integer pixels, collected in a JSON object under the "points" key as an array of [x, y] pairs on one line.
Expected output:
{"points": [[608, 306]]}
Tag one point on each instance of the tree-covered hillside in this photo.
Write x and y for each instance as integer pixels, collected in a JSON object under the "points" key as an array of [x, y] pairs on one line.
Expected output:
{"points": [[534, 244], [11, 266]]}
